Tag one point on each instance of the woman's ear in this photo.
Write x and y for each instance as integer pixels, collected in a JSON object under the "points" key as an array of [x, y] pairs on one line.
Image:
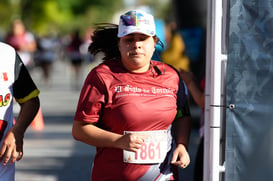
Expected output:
{"points": [[156, 39]]}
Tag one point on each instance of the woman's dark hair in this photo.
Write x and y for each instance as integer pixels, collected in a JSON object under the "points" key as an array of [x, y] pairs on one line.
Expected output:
{"points": [[105, 40]]}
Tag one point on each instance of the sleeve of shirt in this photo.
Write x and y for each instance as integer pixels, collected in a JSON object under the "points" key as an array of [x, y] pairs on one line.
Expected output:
{"points": [[24, 88], [182, 100], [92, 99]]}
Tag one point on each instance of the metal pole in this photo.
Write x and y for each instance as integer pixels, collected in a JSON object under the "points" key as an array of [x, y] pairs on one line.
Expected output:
{"points": [[213, 92], [206, 163]]}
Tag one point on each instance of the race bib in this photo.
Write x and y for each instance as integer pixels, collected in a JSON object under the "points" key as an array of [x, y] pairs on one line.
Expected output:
{"points": [[153, 150]]}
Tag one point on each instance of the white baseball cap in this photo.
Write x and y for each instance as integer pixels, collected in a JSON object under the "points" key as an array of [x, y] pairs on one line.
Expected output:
{"points": [[136, 21]]}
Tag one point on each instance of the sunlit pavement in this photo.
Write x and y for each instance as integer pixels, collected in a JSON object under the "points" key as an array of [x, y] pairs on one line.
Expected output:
{"points": [[52, 154]]}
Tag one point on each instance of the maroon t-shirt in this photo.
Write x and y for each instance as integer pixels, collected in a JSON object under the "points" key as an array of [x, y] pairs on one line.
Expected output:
{"points": [[120, 101]]}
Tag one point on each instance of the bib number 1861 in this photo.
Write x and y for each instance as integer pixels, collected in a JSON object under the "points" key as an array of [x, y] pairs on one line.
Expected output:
{"points": [[153, 150]]}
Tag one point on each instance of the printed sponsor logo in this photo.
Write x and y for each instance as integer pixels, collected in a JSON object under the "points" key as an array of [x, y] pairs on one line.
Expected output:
{"points": [[152, 91], [5, 99]]}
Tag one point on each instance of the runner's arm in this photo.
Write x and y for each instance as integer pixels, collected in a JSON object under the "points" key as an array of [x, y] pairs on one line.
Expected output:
{"points": [[90, 134]]}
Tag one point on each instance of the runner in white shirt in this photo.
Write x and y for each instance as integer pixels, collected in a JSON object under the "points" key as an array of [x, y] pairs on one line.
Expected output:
{"points": [[15, 83]]}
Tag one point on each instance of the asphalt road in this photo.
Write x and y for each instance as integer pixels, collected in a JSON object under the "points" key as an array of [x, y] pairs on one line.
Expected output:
{"points": [[52, 154]]}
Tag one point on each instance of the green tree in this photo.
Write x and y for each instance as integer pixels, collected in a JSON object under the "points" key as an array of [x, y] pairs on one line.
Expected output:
{"points": [[56, 15], [62, 16]]}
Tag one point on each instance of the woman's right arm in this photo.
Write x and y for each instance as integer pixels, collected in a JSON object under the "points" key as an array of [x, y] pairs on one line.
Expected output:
{"points": [[92, 135]]}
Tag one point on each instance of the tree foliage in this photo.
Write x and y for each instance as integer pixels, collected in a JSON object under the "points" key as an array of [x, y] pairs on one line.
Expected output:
{"points": [[51, 16], [56, 15]]}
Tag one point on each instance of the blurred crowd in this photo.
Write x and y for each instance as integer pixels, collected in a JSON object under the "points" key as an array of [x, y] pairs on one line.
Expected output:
{"points": [[41, 51]]}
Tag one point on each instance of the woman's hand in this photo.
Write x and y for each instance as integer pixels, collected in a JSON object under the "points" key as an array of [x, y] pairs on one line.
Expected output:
{"points": [[131, 141], [12, 148], [181, 156]]}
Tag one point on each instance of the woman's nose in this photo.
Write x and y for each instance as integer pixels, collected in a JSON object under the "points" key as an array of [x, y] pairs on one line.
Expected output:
{"points": [[137, 44]]}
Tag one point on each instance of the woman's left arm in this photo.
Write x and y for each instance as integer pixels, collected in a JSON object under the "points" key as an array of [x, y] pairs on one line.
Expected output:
{"points": [[181, 129]]}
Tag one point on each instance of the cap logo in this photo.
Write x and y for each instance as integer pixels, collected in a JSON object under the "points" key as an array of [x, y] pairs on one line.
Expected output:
{"points": [[133, 18], [136, 22]]}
